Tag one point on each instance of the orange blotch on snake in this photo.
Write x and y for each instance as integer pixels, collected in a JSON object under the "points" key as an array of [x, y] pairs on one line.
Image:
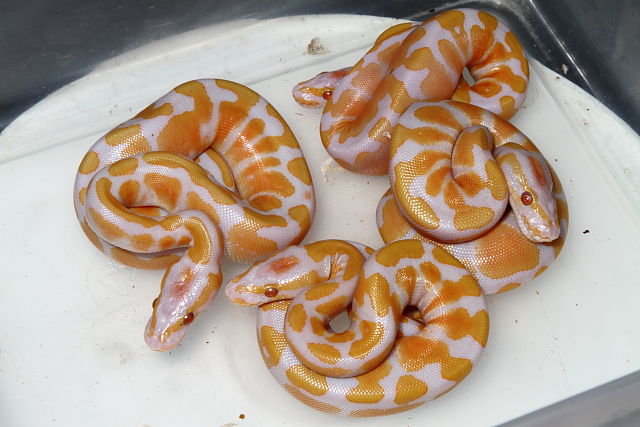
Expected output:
{"points": [[416, 352], [107, 229], [202, 248], [182, 133], [267, 182], [376, 287], [379, 132], [123, 167], [152, 111], [142, 242], [89, 163], [129, 192], [325, 352], [302, 215], [346, 336], [487, 88], [184, 241], [457, 324], [453, 291], [390, 256], [267, 163], [318, 327], [431, 273], [167, 189], [451, 54], [129, 139], [298, 168], [284, 264], [408, 389], [194, 201], [273, 343], [369, 389], [82, 195], [437, 114], [539, 171], [167, 242], [347, 104], [333, 307], [372, 335], [371, 72], [507, 103], [367, 161], [246, 244], [490, 22], [508, 287], [321, 291], [496, 263], [306, 379], [297, 317], [387, 55]]}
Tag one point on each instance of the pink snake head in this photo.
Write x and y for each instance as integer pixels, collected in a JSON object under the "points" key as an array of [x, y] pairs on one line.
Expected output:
{"points": [[187, 290], [315, 92], [531, 193], [279, 279]]}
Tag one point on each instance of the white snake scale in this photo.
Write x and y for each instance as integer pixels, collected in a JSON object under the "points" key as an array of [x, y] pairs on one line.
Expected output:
{"points": [[473, 209]]}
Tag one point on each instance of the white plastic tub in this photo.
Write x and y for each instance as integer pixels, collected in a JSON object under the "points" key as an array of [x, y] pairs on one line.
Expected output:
{"points": [[71, 347]]}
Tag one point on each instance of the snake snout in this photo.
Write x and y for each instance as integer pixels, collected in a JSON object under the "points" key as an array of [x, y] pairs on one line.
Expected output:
{"points": [[243, 293], [538, 230], [164, 339]]}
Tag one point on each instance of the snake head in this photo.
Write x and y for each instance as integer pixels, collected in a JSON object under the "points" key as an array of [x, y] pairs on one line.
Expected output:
{"points": [[315, 92], [279, 277], [187, 289], [530, 191]]}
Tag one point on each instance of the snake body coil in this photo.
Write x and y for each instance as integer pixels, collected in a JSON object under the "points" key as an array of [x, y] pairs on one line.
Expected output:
{"points": [[207, 169], [482, 211]]}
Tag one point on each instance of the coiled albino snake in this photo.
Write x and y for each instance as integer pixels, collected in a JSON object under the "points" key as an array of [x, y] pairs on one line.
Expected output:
{"points": [[448, 183], [142, 200], [385, 362], [410, 63], [449, 190]]}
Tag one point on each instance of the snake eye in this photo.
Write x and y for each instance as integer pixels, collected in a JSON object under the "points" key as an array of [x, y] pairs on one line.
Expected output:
{"points": [[154, 304], [188, 318], [327, 94], [270, 292], [526, 198]]}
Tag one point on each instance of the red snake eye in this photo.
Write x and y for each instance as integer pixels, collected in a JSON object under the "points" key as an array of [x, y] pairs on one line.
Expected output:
{"points": [[526, 198], [270, 292], [327, 94], [188, 318]]}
